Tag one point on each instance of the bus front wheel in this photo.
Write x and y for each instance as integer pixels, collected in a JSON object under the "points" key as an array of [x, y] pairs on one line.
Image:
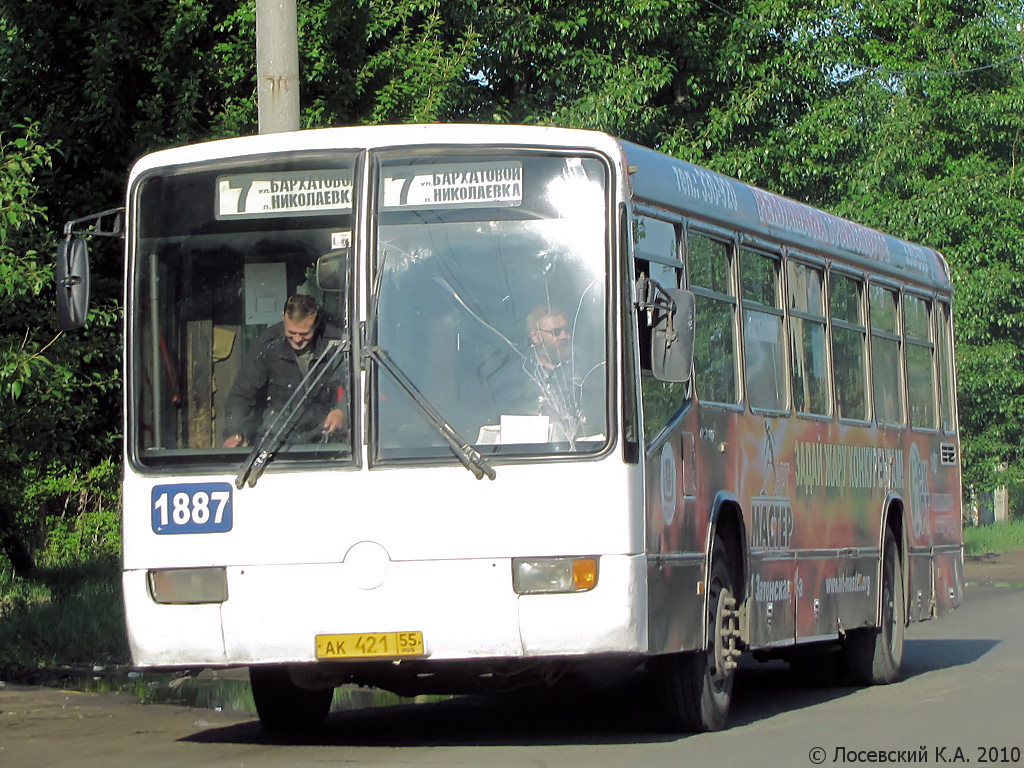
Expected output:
{"points": [[695, 688], [284, 706], [874, 654]]}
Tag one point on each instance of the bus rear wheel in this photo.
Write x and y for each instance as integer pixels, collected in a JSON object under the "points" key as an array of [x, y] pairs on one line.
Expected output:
{"points": [[874, 655], [282, 705], [695, 688]]}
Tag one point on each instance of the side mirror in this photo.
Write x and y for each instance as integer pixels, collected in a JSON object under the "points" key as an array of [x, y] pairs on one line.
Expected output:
{"points": [[71, 273], [331, 269], [672, 336]]}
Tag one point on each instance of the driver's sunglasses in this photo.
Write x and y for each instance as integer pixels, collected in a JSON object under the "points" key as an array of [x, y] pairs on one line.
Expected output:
{"points": [[556, 332]]}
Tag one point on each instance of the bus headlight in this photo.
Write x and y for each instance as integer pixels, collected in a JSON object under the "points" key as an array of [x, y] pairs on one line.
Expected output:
{"points": [[188, 585], [553, 575]]}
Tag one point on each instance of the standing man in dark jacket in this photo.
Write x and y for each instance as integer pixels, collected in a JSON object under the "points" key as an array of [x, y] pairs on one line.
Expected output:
{"points": [[273, 368]]}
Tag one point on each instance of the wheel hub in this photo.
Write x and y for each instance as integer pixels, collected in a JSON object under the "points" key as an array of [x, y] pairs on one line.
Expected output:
{"points": [[725, 652]]}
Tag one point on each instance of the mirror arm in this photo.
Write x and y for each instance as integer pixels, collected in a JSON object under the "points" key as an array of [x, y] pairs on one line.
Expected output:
{"points": [[70, 281], [671, 334], [650, 295], [116, 229]]}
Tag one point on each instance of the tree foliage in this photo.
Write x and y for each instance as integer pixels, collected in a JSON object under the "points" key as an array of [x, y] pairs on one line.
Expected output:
{"points": [[902, 115], [921, 138], [55, 391]]}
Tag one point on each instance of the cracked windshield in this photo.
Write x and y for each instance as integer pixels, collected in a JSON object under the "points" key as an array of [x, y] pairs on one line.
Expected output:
{"points": [[240, 331], [489, 285], [485, 322]]}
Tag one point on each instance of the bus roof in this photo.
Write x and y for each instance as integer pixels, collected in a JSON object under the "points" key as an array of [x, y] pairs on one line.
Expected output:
{"points": [[654, 177], [384, 136], [667, 181]]}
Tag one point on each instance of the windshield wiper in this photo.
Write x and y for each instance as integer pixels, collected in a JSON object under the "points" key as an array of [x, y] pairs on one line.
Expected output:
{"points": [[273, 437], [470, 457]]}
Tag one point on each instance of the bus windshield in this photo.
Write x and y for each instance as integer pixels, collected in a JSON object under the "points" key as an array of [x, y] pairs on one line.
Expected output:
{"points": [[217, 254], [485, 308], [489, 294]]}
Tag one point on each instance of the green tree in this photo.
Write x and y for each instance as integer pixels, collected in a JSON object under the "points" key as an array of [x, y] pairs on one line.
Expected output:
{"points": [[107, 82], [360, 62], [20, 158], [51, 393], [901, 115], [921, 137]]}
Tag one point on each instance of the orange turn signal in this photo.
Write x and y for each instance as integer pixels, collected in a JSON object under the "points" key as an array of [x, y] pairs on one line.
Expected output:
{"points": [[584, 573]]}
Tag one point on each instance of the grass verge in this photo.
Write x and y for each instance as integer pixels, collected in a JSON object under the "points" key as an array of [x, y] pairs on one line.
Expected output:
{"points": [[998, 537], [64, 616]]}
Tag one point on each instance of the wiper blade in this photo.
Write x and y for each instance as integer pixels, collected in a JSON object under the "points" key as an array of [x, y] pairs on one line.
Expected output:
{"points": [[273, 437], [470, 457]]}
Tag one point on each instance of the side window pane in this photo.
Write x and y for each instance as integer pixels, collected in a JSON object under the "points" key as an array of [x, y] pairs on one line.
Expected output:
{"points": [[920, 362], [944, 347], [715, 344], [664, 275], [886, 368], [656, 239], [917, 318], [847, 300], [764, 348], [807, 339], [708, 262], [849, 336], [760, 277]]}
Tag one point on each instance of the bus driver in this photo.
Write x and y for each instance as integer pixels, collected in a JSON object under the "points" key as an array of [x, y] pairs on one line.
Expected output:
{"points": [[553, 386], [275, 365]]}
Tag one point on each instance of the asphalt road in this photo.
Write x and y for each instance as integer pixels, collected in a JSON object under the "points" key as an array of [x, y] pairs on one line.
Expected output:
{"points": [[960, 702]]}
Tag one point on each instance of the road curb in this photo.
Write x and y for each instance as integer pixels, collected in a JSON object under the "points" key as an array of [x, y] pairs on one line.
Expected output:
{"points": [[999, 584]]}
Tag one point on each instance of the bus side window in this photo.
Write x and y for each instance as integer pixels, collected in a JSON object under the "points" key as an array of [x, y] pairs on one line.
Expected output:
{"points": [[944, 346], [657, 253], [811, 380], [917, 325], [714, 355], [849, 337], [886, 354], [764, 349]]}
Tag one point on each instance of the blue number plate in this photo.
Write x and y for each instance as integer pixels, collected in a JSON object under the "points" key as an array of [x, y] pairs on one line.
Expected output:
{"points": [[192, 508]]}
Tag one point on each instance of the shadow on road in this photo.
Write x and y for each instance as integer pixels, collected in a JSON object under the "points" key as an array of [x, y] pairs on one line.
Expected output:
{"points": [[506, 719], [928, 655], [615, 715]]}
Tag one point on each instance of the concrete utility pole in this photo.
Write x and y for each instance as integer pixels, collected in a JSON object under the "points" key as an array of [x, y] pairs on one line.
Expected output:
{"points": [[277, 65]]}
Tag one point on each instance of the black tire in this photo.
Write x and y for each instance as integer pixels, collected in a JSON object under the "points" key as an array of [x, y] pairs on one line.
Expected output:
{"points": [[695, 688], [874, 655], [285, 707]]}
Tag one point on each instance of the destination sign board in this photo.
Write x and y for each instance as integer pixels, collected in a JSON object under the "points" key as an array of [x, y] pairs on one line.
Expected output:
{"points": [[294, 193], [314, 193], [454, 185]]}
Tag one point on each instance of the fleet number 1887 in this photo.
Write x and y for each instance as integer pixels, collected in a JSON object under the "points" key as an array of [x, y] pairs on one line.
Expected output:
{"points": [[192, 508]]}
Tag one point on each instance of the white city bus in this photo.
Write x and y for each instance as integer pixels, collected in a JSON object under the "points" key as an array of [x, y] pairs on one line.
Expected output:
{"points": [[751, 447]]}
